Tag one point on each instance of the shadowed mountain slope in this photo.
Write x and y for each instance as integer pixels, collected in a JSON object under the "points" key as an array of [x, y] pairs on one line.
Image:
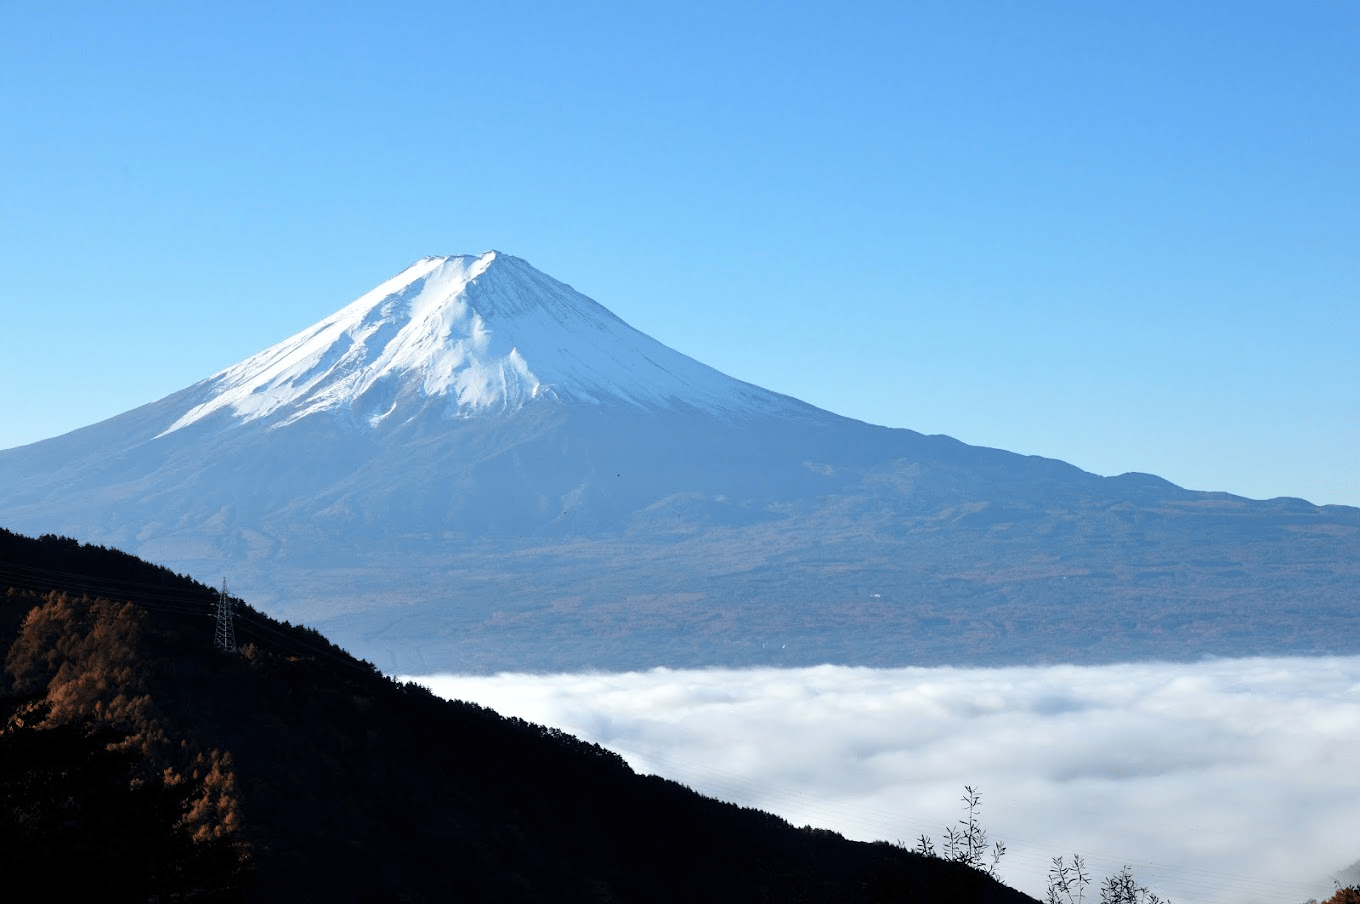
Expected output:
{"points": [[475, 468], [140, 763]]}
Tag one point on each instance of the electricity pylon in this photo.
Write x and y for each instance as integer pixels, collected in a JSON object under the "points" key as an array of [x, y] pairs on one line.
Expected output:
{"points": [[226, 633]]}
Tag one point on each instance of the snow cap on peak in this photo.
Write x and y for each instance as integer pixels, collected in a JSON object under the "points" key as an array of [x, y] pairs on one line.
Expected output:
{"points": [[467, 335]]}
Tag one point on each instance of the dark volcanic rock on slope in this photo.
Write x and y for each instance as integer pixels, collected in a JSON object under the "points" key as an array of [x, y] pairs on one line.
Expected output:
{"points": [[476, 468], [140, 763]]}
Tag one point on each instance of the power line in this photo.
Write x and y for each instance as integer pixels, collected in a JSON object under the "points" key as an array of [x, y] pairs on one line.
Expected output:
{"points": [[33, 578]]}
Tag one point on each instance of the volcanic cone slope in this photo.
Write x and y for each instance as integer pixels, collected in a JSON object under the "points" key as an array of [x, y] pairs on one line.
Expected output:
{"points": [[475, 467]]}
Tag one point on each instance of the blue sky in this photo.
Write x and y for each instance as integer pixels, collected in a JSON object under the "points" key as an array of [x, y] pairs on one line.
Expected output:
{"points": [[1124, 236]]}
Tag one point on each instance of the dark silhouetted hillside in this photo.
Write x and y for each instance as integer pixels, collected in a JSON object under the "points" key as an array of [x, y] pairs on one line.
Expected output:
{"points": [[139, 763]]}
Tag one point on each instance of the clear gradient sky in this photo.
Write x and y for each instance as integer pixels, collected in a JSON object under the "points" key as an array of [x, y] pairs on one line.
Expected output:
{"points": [[1123, 235]]}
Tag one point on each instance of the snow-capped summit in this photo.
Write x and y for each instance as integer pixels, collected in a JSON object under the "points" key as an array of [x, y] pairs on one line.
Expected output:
{"points": [[469, 336]]}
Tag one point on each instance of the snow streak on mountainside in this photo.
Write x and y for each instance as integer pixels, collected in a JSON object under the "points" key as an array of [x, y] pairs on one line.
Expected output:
{"points": [[474, 336]]}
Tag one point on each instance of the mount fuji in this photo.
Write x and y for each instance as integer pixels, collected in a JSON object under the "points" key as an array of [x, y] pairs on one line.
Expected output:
{"points": [[474, 467]]}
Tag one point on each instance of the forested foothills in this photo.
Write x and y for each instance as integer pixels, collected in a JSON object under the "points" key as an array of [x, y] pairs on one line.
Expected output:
{"points": [[137, 762]]}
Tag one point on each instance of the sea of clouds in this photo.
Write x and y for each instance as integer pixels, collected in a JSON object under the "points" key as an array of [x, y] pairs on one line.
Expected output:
{"points": [[1230, 780]]}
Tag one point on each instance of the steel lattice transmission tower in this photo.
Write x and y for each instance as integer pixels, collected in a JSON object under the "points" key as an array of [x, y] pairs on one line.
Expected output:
{"points": [[226, 632]]}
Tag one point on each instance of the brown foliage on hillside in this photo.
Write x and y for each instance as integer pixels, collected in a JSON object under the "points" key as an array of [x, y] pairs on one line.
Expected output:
{"points": [[84, 664], [83, 657]]}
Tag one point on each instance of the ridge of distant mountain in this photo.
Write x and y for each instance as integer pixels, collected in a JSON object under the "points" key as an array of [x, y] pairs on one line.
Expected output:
{"points": [[141, 763], [476, 468]]}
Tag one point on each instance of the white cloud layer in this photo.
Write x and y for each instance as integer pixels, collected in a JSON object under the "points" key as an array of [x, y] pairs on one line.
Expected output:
{"points": [[1222, 781]]}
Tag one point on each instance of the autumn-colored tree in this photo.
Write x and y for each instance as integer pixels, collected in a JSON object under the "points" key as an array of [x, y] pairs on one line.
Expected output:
{"points": [[77, 810], [85, 661]]}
